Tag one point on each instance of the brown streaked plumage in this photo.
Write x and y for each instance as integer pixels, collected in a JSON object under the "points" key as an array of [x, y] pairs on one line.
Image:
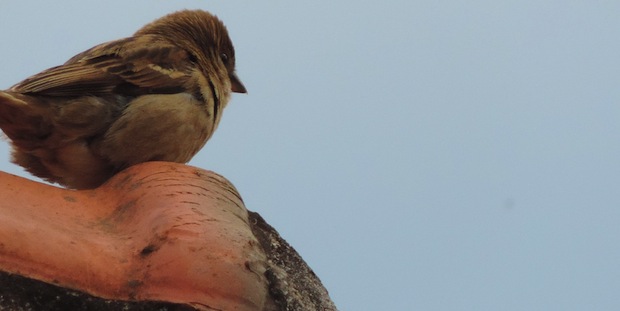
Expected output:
{"points": [[155, 96]]}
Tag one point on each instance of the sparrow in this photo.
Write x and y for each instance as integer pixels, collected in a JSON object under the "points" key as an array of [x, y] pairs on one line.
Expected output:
{"points": [[155, 96]]}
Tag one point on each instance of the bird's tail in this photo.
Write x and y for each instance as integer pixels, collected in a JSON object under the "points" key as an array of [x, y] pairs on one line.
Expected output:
{"points": [[20, 116], [11, 106]]}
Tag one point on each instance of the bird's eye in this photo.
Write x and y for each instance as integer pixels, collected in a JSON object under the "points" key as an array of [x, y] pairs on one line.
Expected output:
{"points": [[193, 58], [224, 58]]}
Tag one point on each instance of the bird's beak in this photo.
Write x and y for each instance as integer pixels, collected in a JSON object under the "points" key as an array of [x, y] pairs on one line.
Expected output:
{"points": [[236, 85]]}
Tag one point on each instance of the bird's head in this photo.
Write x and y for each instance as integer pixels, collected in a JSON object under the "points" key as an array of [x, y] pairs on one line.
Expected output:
{"points": [[204, 36]]}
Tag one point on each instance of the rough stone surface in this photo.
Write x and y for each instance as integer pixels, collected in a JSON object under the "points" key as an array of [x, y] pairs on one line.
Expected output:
{"points": [[21, 294], [292, 284]]}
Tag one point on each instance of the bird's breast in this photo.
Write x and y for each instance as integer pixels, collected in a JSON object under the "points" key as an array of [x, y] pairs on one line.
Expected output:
{"points": [[170, 127]]}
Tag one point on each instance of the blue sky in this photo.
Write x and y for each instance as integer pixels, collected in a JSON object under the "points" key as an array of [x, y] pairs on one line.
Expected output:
{"points": [[420, 155]]}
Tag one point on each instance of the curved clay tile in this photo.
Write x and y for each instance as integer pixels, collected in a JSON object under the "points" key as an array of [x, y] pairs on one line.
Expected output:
{"points": [[157, 232]]}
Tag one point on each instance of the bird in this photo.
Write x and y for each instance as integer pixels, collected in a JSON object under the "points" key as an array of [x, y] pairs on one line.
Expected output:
{"points": [[157, 95]]}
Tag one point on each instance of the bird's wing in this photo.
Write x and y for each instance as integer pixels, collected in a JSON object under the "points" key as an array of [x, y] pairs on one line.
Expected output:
{"points": [[131, 66]]}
